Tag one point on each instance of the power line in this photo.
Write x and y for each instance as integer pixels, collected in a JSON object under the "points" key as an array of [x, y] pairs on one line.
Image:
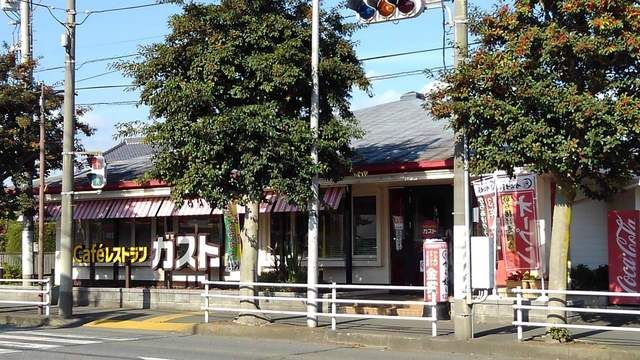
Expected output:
{"points": [[89, 62], [97, 76], [122, 8], [116, 103], [105, 87]]}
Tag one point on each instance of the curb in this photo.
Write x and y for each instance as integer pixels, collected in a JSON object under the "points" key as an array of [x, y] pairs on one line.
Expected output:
{"points": [[525, 350]]}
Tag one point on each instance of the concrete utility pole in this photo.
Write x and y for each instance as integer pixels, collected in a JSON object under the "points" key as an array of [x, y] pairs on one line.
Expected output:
{"points": [[314, 204], [27, 221], [41, 171], [66, 240], [463, 323]]}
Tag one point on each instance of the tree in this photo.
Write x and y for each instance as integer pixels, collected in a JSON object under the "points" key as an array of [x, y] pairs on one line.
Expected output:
{"points": [[553, 88], [19, 134], [231, 85]]}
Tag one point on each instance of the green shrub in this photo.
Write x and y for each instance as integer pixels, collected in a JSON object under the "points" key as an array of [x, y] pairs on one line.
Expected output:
{"points": [[561, 335], [11, 236], [11, 271]]}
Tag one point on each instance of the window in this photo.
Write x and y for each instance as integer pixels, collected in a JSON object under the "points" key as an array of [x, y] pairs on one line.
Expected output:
{"points": [[364, 226], [143, 232], [332, 233]]}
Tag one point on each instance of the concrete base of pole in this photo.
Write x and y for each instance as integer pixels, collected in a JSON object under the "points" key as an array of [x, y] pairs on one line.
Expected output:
{"points": [[65, 304], [462, 320]]}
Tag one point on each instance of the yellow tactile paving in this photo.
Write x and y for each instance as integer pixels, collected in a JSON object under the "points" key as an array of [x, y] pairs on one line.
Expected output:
{"points": [[157, 323]]}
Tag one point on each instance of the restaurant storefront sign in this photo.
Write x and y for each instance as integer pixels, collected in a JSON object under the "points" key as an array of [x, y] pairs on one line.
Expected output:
{"points": [[195, 253], [98, 253]]}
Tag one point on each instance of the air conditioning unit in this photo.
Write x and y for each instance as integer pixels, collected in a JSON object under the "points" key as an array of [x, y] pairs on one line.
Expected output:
{"points": [[10, 5]]}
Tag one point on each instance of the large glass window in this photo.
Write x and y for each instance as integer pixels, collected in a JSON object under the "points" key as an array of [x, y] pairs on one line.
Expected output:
{"points": [[364, 223], [143, 232]]}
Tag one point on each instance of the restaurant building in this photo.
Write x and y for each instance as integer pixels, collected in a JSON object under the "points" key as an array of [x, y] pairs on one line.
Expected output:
{"points": [[372, 226]]}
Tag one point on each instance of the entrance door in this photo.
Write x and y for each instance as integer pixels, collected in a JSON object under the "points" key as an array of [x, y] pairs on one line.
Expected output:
{"points": [[417, 214]]}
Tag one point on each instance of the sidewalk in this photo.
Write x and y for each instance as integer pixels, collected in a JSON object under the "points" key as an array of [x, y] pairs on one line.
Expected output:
{"points": [[490, 339]]}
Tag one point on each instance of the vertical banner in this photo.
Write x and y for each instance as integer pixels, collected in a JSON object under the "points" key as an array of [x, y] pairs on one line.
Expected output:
{"points": [[517, 211], [232, 239], [624, 271], [435, 270], [485, 191]]}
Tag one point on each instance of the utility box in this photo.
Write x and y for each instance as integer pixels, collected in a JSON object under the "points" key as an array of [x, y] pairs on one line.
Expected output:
{"points": [[482, 263]]}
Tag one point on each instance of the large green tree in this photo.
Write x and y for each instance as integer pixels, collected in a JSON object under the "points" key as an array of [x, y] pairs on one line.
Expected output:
{"points": [[19, 134], [231, 87], [553, 88]]}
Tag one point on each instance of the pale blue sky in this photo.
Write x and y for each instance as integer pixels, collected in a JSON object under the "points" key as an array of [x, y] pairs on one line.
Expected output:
{"points": [[120, 33]]}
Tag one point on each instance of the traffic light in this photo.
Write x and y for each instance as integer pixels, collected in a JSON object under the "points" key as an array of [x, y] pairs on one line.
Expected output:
{"points": [[374, 11], [97, 171]]}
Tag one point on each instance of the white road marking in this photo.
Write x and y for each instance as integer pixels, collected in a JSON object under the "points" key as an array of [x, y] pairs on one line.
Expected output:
{"points": [[10, 336], [69, 336], [7, 351], [20, 345]]}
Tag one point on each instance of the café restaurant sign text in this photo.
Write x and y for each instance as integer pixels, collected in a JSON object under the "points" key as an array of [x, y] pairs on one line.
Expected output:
{"points": [[98, 253]]}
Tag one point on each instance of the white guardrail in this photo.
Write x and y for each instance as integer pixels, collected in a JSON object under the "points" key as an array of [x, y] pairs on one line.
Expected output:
{"points": [[333, 301], [44, 292], [519, 307]]}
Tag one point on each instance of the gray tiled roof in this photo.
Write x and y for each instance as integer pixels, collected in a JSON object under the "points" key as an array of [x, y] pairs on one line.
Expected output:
{"points": [[399, 131], [402, 131], [128, 149]]}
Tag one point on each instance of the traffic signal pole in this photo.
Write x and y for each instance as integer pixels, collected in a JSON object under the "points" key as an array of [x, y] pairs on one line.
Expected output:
{"points": [[66, 241], [314, 204], [463, 321]]}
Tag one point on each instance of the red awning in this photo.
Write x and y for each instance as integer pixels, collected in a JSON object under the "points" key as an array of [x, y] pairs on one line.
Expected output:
{"points": [[189, 208], [134, 208], [90, 210], [332, 197], [53, 211]]}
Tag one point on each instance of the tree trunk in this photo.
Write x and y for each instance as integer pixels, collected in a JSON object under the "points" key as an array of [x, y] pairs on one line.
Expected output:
{"points": [[559, 252], [249, 265]]}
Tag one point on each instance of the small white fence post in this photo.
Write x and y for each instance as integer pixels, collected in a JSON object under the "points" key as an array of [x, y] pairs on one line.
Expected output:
{"points": [[47, 297], [334, 296], [519, 311], [206, 303], [434, 314]]}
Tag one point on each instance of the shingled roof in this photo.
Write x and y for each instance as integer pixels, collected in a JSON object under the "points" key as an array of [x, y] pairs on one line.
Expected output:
{"points": [[396, 132], [400, 132]]}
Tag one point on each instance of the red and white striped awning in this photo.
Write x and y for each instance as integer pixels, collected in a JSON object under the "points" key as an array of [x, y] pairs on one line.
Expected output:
{"points": [[53, 211], [90, 210], [134, 208], [189, 208], [332, 197]]}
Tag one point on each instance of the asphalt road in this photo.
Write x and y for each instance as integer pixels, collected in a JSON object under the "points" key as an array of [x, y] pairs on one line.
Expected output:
{"points": [[84, 343]]}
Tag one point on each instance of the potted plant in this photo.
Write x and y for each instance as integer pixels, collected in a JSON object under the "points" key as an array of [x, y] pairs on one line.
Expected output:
{"points": [[513, 281], [530, 281]]}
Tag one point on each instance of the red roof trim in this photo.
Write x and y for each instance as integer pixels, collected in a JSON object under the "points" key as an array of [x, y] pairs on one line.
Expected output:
{"points": [[390, 168], [123, 185], [371, 169]]}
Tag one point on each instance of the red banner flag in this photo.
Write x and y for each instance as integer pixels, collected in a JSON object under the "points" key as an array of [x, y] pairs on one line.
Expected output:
{"points": [[624, 271], [518, 215]]}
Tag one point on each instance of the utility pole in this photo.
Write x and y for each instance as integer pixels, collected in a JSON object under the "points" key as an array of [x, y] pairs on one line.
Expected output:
{"points": [[463, 322], [41, 189], [27, 219], [314, 204], [66, 241]]}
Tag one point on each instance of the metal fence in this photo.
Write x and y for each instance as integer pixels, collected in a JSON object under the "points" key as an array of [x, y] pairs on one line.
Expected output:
{"points": [[42, 288], [333, 301], [15, 259], [519, 307]]}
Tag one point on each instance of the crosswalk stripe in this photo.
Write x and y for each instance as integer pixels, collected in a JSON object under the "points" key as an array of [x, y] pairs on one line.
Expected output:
{"points": [[13, 344], [7, 351], [68, 336], [47, 339]]}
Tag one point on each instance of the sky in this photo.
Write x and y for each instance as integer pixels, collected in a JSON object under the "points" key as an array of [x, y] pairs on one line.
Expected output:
{"points": [[110, 34]]}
